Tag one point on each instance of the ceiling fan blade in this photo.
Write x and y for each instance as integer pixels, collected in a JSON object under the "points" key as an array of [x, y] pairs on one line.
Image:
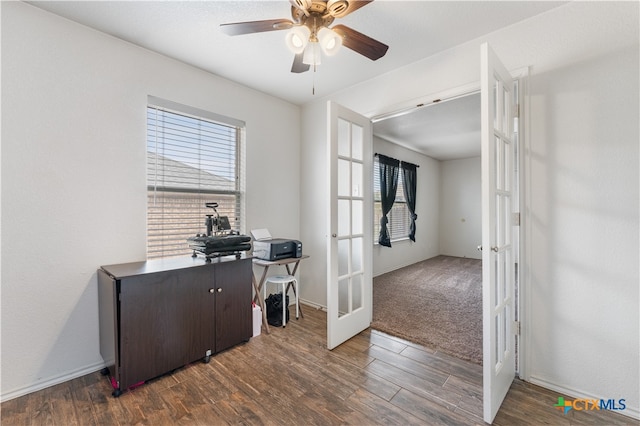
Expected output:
{"points": [[298, 66], [358, 42], [239, 28], [339, 11]]}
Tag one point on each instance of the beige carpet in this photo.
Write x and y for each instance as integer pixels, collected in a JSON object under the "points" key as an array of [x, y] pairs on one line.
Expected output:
{"points": [[436, 302]]}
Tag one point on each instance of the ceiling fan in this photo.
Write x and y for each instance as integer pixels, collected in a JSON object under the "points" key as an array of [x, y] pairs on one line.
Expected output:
{"points": [[310, 34]]}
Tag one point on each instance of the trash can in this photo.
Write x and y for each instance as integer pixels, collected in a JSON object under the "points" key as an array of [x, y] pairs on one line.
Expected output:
{"points": [[257, 320]]}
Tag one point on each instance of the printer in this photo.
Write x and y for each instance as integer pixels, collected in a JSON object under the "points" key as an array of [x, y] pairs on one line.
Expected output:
{"points": [[267, 248]]}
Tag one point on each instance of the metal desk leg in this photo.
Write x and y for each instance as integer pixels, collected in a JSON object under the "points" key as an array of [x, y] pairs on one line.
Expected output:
{"points": [[257, 287], [293, 273], [261, 284]]}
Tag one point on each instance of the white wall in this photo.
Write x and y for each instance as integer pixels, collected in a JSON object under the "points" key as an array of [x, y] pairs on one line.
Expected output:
{"points": [[407, 252], [582, 228], [314, 184], [581, 251], [461, 208], [73, 178]]}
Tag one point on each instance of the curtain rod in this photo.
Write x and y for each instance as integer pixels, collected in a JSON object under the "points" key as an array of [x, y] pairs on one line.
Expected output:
{"points": [[417, 165]]}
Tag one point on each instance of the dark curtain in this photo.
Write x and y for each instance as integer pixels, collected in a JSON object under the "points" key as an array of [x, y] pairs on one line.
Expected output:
{"points": [[409, 176], [389, 170]]}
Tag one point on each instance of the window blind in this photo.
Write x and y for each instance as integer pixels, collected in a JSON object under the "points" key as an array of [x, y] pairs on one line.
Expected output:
{"points": [[191, 160]]}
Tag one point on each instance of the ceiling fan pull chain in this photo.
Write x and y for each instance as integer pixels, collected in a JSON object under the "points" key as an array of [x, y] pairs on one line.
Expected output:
{"points": [[313, 86]]}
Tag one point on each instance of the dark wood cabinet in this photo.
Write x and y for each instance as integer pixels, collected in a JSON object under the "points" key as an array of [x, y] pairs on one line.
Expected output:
{"points": [[233, 320], [159, 315]]}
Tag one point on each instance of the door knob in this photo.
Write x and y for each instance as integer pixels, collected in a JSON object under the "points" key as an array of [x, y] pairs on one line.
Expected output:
{"points": [[220, 290], [495, 249], [479, 248], [211, 290]]}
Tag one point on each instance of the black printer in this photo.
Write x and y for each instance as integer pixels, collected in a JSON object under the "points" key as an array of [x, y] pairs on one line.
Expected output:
{"points": [[276, 248]]}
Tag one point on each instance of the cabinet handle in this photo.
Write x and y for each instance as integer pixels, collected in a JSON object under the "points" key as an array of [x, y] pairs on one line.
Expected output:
{"points": [[211, 290], [219, 290]]}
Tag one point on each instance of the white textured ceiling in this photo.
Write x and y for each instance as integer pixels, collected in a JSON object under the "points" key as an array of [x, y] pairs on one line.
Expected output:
{"points": [[189, 31], [445, 131]]}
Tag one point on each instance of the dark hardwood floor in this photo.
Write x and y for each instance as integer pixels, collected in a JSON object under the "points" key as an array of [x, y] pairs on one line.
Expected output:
{"points": [[290, 378]]}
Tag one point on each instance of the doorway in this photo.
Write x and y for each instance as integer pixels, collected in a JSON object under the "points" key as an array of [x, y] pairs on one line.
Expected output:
{"points": [[447, 130], [500, 217], [443, 268]]}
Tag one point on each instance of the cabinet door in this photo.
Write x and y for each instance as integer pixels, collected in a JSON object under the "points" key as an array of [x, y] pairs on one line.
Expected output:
{"points": [[166, 321], [233, 303]]}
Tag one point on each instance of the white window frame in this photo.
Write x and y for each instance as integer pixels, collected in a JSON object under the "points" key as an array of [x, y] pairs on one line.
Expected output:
{"points": [[176, 210]]}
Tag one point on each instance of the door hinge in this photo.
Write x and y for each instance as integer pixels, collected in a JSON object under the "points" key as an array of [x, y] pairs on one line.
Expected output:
{"points": [[516, 110], [516, 328], [515, 219]]}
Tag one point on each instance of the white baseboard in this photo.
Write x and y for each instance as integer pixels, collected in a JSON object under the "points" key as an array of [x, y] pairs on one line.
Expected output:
{"points": [[396, 267], [313, 305], [52, 381], [632, 412]]}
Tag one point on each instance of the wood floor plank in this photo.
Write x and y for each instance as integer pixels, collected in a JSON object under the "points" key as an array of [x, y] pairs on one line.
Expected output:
{"points": [[269, 380], [105, 408], [15, 412], [385, 341], [400, 340], [87, 410], [289, 369], [63, 410], [417, 369], [388, 413], [471, 399], [431, 413], [250, 410], [141, 404], [41, 410], [329, 407], [273, 390], [417, 385], [353, 355], [346, 377], [288, 377], [469, 371], [227, 409]]}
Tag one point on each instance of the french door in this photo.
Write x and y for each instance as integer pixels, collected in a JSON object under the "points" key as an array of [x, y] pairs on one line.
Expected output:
{"points": [[497, 231], [349, 233]]}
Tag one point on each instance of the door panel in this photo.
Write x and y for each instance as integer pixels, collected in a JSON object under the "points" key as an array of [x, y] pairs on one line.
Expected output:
{"points": [[232, 295], [497, 204], [349, 276]]}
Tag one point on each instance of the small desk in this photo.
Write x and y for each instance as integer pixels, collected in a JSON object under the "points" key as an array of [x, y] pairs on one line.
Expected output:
{"points": [[257, 286]]}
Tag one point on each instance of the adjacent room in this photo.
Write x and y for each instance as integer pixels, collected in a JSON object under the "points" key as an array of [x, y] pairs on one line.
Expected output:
{"points": [[442, 295]]}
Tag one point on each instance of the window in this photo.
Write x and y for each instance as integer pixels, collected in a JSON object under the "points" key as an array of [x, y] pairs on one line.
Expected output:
{"points": [[193, 157], [398, 217]]}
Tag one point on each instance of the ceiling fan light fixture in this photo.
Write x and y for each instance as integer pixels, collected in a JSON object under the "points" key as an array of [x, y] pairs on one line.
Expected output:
{"points": [[298, 38], [301, 4], [330, 41], [312, 54], [337, 8]]}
